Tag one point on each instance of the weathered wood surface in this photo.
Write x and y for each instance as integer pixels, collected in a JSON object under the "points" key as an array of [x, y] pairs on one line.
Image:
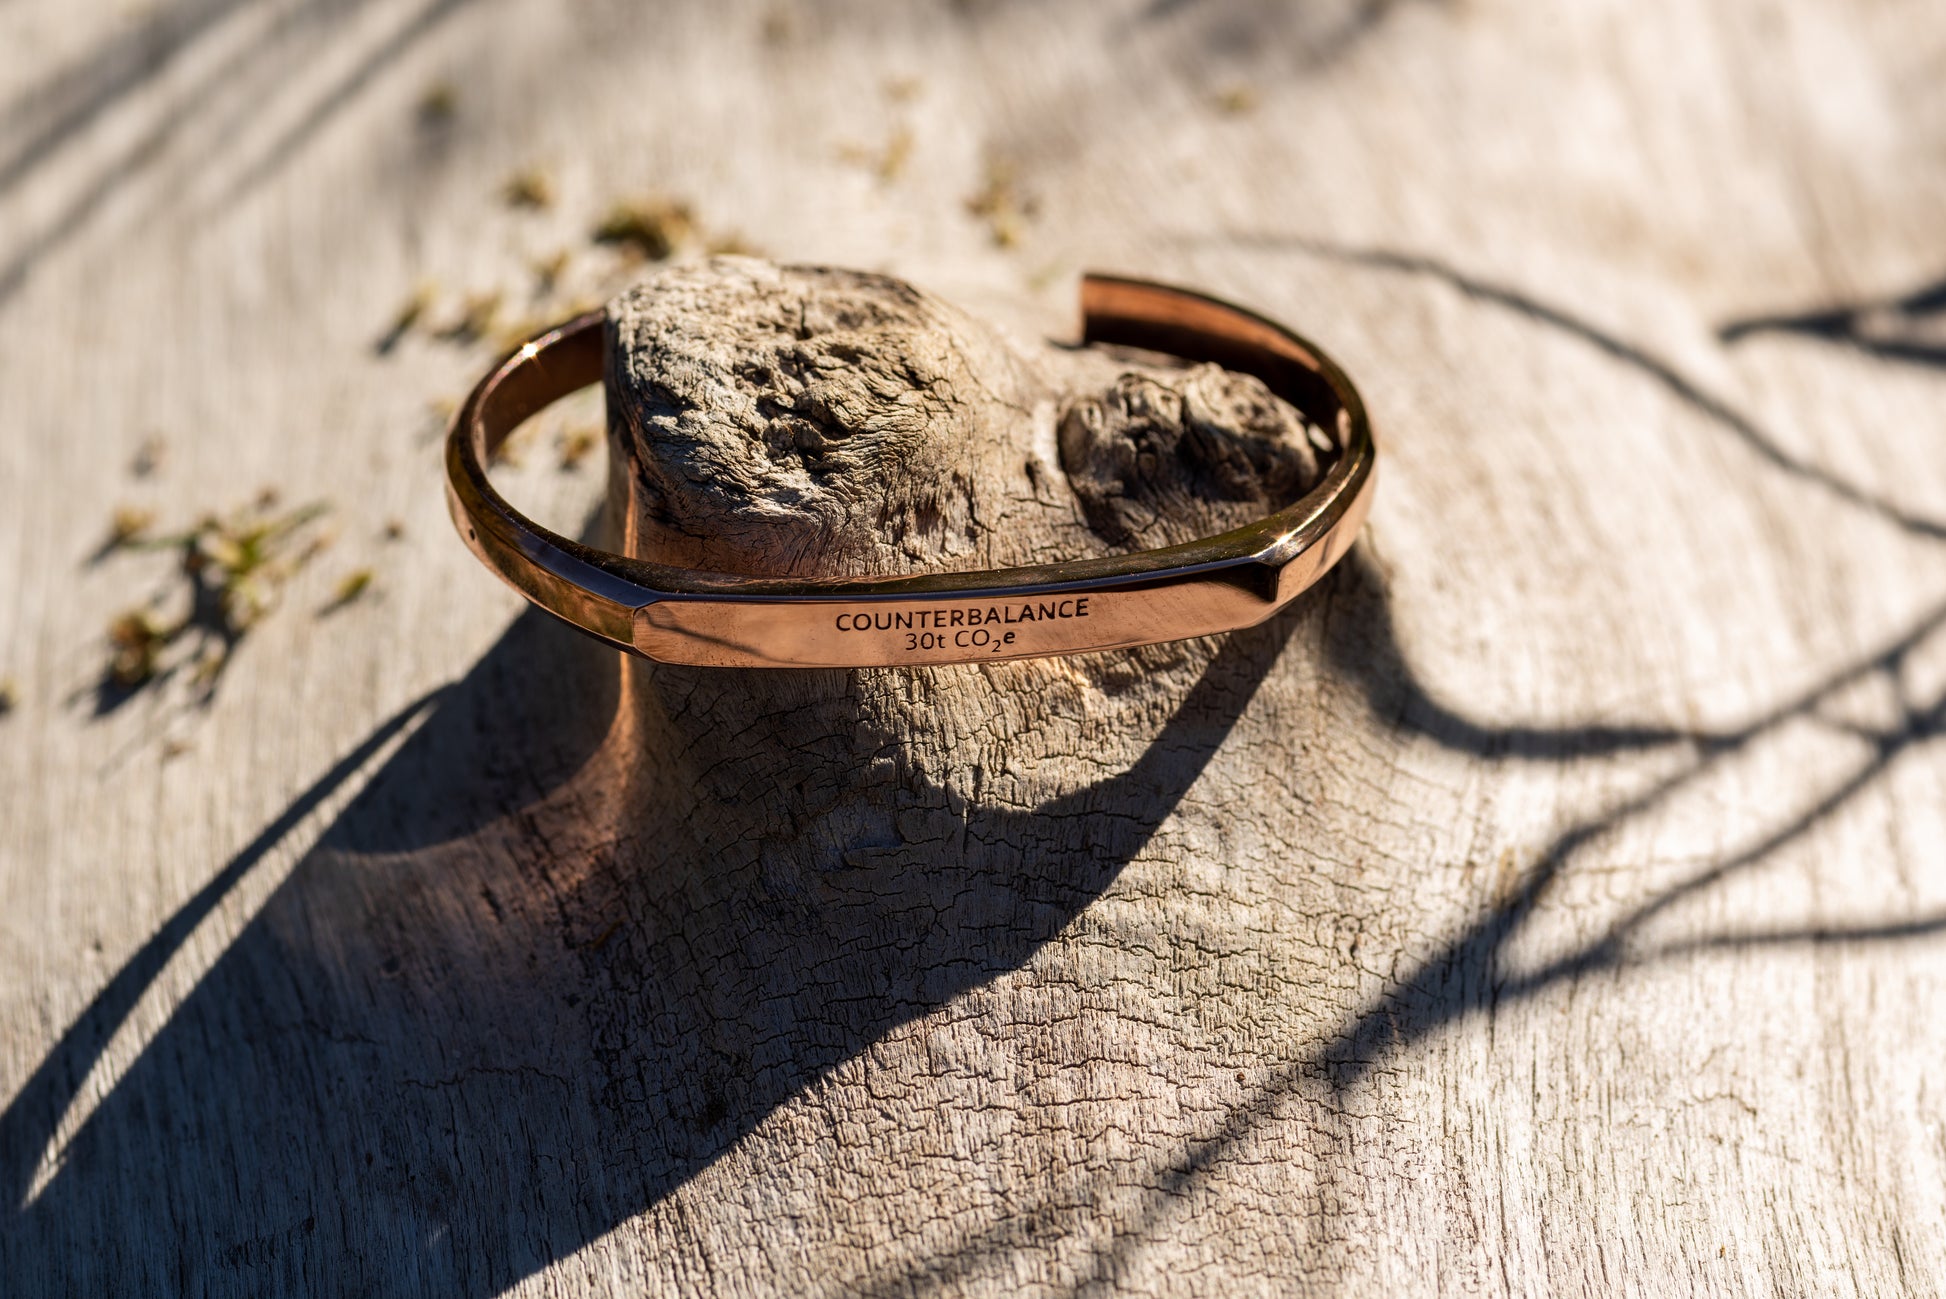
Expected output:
{"points": [[1549, 904]]}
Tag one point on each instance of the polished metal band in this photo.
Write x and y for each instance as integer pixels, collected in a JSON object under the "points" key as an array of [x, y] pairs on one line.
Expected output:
{"points": [[678, 615]]}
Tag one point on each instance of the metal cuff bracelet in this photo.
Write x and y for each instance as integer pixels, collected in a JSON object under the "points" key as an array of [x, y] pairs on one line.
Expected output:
{"points": [[678, 615]]}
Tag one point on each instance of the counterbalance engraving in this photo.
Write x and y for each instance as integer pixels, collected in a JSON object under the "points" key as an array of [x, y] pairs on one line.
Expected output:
{"points": [[981, 627]]}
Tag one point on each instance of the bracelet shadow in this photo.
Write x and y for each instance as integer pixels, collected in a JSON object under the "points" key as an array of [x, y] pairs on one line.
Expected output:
{"points": [[380, 1085]]}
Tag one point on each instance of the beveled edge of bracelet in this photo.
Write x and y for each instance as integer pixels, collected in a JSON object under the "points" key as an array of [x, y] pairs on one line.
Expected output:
{"points": [[1213, 584]]}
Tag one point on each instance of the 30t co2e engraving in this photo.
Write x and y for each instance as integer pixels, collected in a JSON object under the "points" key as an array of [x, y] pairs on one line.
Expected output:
{"points": [[994, 628]]}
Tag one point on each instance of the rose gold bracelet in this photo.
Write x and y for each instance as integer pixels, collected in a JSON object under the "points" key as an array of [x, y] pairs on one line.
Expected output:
{"points": [[679, 615]]}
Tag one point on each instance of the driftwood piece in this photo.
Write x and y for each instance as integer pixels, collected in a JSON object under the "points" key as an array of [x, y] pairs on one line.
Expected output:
{"points": [[837, 877], [1549, 903], [809, 422]]}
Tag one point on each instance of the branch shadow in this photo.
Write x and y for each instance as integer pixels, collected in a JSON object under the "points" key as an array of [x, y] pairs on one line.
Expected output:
{"points": [[1470, 974], [380, 1086], [125, 66], [1314, 37], [1909, 328], [1717, 410], [341, 94], [66, 103]]}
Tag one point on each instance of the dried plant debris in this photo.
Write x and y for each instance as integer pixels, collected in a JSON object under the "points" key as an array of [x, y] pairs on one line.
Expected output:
{"points": [[652, 228], [348, 588], [234, 568], [394, 530], [9, 696], [512, 451], [548, 270], [1001, 203], [576, 445], [410, 313], [530, 187], [1046, 276], [148, 457], [475, 318], [892, 159], [438, 104], [1236, 99], [137, 639], [886, 162], [126, 526]]}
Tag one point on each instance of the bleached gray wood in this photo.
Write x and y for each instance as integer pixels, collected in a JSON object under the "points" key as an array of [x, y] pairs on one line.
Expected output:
{"points": [[1549, 905]]}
